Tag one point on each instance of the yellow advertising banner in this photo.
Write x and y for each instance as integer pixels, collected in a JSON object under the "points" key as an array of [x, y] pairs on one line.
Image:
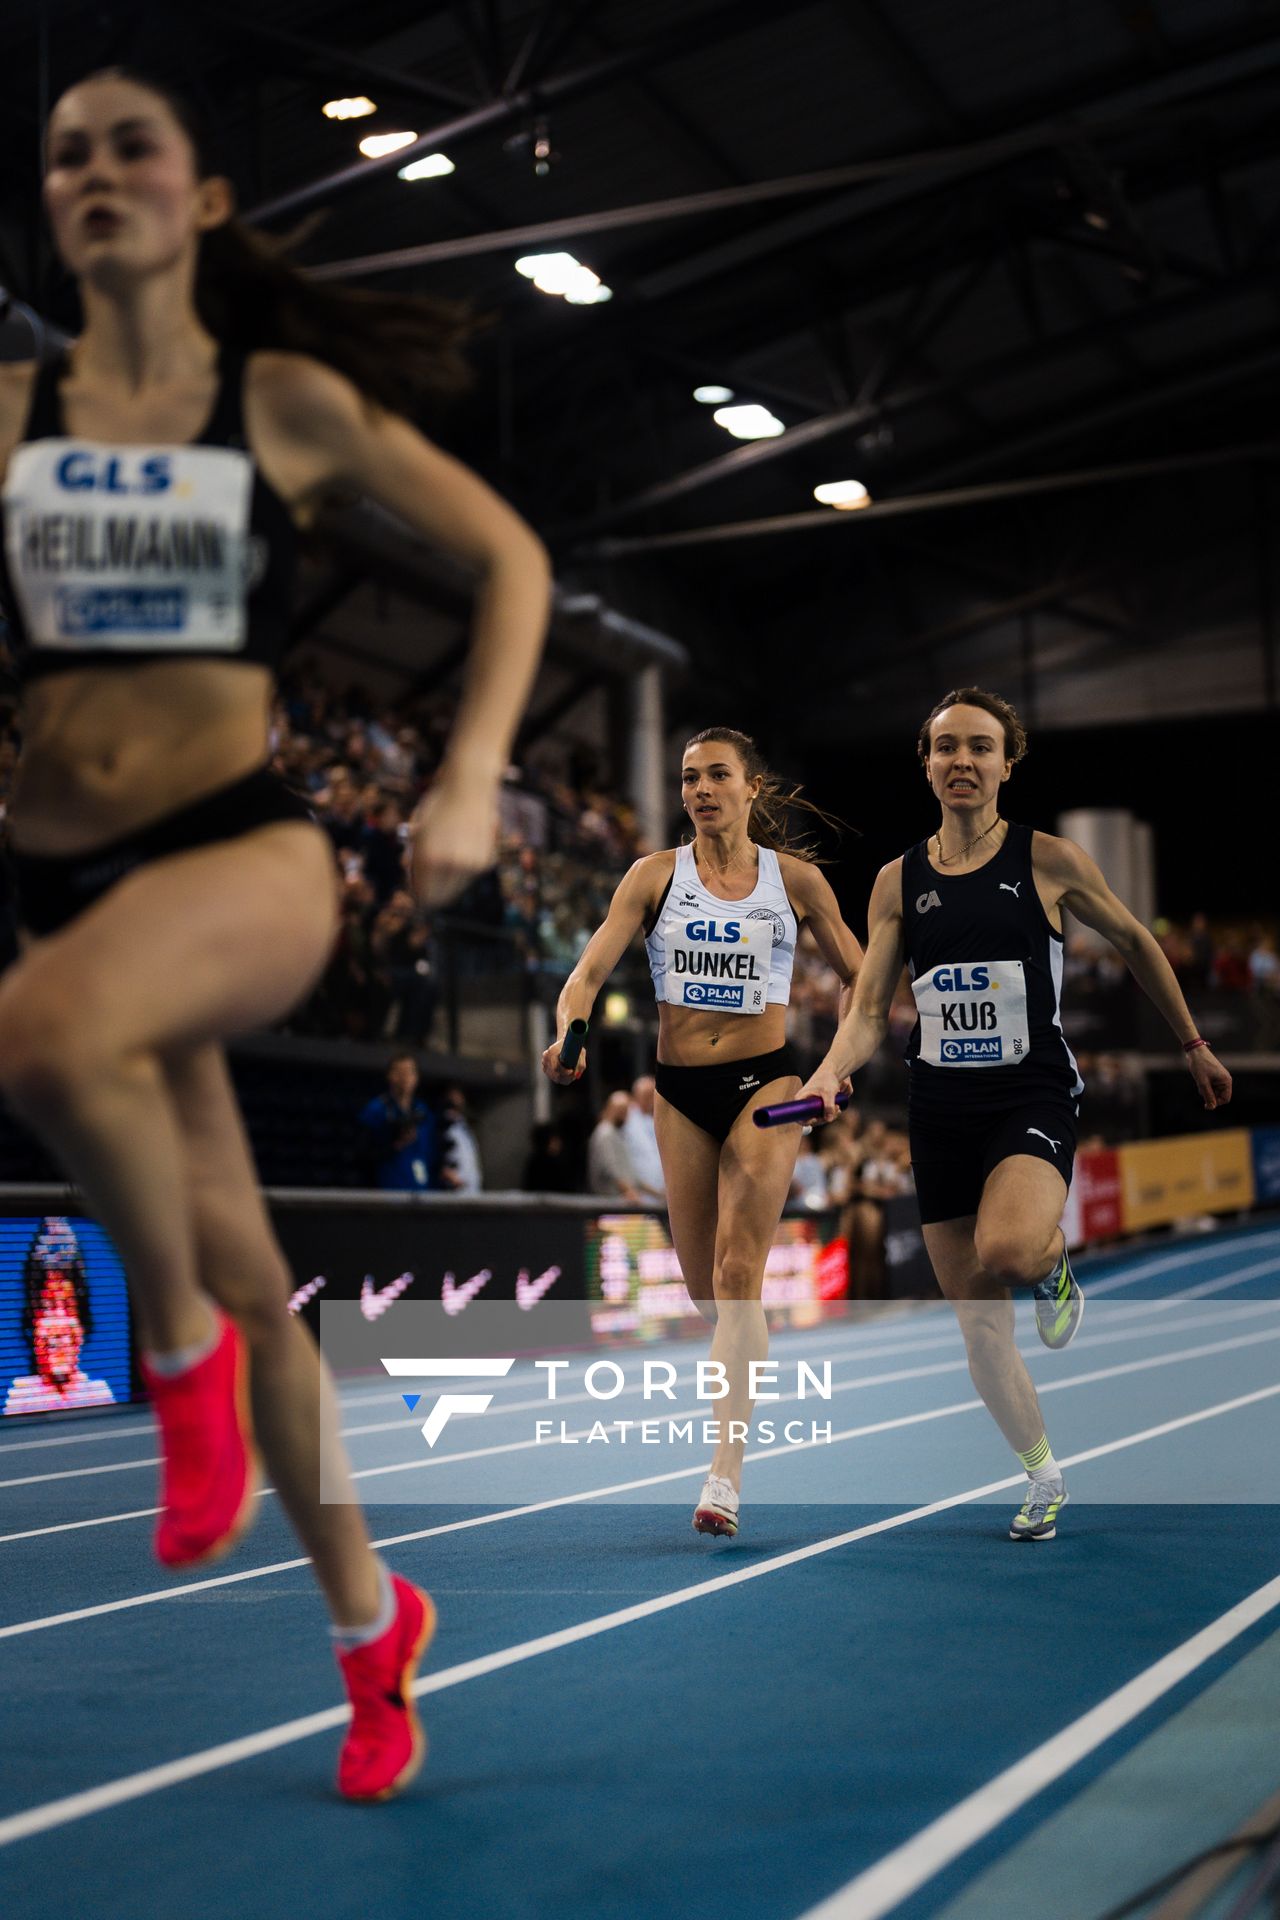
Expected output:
{"points": [[1164, 1180]]}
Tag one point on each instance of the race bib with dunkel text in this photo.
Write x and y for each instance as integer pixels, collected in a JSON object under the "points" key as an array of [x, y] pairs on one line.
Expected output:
{"points": [[719, 965]]}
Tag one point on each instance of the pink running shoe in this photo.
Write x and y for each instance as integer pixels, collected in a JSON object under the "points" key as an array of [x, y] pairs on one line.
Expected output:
{"points": [[385, 1743], [208, 1479]]}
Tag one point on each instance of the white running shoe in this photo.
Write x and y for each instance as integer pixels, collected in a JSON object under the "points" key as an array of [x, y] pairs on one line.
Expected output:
{"points": [[717, 1508]]}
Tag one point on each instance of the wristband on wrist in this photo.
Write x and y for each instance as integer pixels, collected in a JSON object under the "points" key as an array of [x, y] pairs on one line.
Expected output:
{"points": [[1189, 1046]]}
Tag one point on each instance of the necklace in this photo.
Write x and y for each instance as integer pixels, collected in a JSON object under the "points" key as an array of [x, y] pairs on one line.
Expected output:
{"points": [[942, 862]]}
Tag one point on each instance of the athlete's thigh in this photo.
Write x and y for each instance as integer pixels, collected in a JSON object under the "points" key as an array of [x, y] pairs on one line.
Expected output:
{"points": [[193, 947], [756, 1168], [1022, 1200], [691, 1168]]}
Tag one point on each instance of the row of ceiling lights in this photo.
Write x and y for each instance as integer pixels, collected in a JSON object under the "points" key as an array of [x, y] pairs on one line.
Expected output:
{"points": [[747, 420], [553, 273], [563, 275]]}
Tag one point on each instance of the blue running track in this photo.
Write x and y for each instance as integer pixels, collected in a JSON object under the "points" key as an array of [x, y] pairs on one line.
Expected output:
{"points": [[871, 1702]]}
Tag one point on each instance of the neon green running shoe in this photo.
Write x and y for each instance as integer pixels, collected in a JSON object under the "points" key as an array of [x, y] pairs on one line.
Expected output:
{"points": [[1059, 1306], [1037, 1519]]}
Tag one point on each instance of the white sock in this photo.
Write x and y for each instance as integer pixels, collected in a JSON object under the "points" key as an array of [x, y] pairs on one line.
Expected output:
{"points": [[182, 1359], [346, 1639], [1040, 1463]]}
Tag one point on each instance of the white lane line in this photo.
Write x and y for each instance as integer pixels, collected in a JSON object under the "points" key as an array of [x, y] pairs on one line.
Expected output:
{"points": [[758, 1456], [845, 1386], [1235, 1309], [80, 1473], [106, 1427], [137, 1786], [904, 1871], [1188, 1257]]}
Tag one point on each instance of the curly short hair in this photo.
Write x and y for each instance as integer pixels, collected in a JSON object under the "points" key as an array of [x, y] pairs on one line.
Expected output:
{"points": [[1015, 734]]}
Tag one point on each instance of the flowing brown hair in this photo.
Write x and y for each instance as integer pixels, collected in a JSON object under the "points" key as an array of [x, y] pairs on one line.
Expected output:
{"points": [[249, 294], [770, 823]]}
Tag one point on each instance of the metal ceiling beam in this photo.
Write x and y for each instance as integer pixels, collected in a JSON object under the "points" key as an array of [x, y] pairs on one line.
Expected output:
{"points": [[547, 39], [609, 220], [904, 62], [745, 459], [991, 578], [969, 624], [1186, 386], [1186, 82], [928, 503], [341, 62], [715, 24]]}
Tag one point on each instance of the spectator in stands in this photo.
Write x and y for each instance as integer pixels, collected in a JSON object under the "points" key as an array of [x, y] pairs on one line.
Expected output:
{"points": [[809, 1180], [1200, 946], [549, 1167], [1231, 965], [609, 1168], [383, 848], [640, 1136], [399, 1132], [338, 806], [1264, 972], [460, 1168]]}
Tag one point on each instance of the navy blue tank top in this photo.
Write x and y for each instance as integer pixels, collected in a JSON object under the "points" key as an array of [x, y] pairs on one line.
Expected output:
{"points": [[117, 554], [986, 972]]}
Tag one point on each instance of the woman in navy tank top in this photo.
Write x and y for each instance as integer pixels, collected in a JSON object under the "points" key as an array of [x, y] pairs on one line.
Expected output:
{"points": [[720, 918], [170, 891], [975, 913]]}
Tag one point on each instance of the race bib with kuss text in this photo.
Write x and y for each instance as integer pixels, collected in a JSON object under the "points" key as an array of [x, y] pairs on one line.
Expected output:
{"points": [[130, 547], [720, 965], [973, 1015]]}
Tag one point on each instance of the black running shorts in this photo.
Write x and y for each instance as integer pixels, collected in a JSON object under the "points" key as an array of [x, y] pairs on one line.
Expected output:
{"points": [[951, 1159]]}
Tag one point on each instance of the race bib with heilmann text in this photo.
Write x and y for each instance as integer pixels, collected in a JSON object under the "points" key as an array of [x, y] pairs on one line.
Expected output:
{"points": [[973, 1015], [720, 965], [129, 547]]}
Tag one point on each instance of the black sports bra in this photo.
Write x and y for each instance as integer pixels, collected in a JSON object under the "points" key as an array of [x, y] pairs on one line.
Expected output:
{"points": [[115, 555]]}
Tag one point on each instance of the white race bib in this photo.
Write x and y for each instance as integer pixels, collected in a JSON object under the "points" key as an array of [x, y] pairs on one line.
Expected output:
{"points": [[719, 965], [973, 1015], [128, 547]]}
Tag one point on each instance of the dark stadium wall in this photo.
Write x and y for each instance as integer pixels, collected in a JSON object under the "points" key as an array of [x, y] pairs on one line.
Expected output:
{"points": [[1206, 787]]}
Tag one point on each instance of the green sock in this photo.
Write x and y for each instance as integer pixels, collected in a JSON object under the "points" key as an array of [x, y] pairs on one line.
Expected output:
{"points": [[1039, 1461]]}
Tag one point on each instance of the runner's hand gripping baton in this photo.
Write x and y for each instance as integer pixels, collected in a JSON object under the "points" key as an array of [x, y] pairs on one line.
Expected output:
{"points": [[802, 1111], [572, 1047]]}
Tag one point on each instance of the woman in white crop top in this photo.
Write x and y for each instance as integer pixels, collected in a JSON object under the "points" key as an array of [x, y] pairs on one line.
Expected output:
{"points": [[720, 918]]}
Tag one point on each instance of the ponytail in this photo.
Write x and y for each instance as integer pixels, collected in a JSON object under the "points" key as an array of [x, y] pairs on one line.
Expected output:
{"points": [[770, 822], [392, 347]]}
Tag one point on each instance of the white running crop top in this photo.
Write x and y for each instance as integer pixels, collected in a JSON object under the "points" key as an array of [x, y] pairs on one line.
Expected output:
{"points": [[724, 956]]}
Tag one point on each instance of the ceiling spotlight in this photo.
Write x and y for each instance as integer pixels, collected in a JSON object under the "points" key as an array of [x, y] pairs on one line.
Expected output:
{"points": [[1095, 217], [560, 273], [712, 396], [431, 167], [843, 494], [748, 422], [354, 109], [374, 145]]}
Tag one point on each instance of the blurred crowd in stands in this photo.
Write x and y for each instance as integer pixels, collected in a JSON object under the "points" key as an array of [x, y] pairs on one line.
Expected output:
{"points": [[564, 838]]}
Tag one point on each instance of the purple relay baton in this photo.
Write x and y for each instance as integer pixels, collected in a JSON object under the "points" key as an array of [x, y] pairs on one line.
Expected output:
{"points": [[802, 1111]]}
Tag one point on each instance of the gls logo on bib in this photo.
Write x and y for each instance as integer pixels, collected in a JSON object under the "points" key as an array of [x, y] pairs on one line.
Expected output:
{"points": [[84, 472], [973, 1016]]}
